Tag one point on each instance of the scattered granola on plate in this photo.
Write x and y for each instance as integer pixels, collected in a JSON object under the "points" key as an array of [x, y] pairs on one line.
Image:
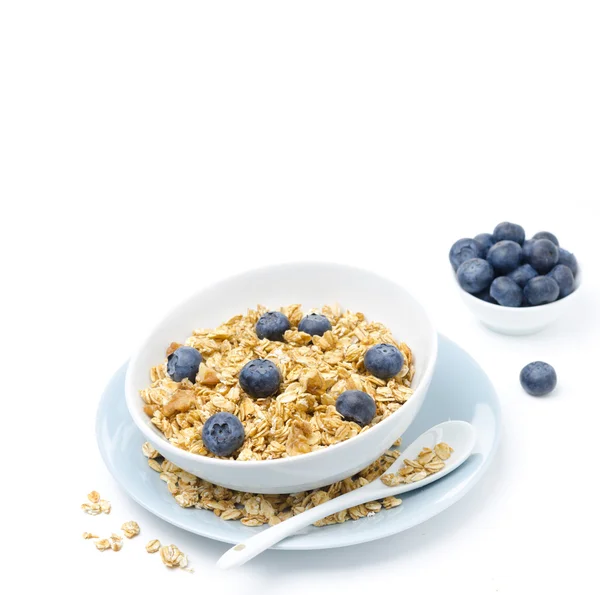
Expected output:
{"points": [[253, 510], [96, 505], [427, 463]]}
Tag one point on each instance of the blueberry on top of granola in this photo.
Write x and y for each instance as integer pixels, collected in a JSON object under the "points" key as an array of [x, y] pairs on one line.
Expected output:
{"points": [[384, 361], [223, 434], [315, 324], [356, 406], [272, 326], [260, 378], [184, 363]]}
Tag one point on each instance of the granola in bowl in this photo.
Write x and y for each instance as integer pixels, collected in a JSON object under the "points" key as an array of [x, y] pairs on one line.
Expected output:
{"points": [[314, 370]]}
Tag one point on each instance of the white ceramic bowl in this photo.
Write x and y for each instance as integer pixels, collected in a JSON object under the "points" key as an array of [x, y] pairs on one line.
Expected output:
{"points": [[313, 285], [519, 321]]}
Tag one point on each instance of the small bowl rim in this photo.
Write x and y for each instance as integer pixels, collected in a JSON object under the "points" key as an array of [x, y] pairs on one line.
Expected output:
{"points": [[153, 435], [555, 303]]}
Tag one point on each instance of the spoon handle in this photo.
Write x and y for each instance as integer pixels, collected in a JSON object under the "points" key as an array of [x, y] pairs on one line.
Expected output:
{"points": [[242, 552]]}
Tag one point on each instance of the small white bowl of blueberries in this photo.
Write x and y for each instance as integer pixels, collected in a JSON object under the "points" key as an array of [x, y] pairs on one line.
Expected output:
{"points": [[515, 286]]}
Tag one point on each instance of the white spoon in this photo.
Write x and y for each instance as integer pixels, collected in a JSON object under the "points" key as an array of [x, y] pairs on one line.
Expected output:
{"points": [[460, 435]]}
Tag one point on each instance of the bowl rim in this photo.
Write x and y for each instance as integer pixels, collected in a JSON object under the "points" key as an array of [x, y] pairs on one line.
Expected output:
{"points": [[556, 303], [152, 435]]}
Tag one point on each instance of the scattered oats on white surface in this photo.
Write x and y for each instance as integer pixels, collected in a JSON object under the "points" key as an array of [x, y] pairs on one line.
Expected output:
{"points": [[130, 529], [94, 497], [95, 505], [87, 535], [153, 546], [173, 557], [105, 506], [103, 544], [116, 542], [92, 509]]}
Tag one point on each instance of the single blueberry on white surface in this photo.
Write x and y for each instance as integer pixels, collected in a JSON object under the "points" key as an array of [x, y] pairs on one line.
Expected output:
{"points": [[184, 363], [356, 406], [538, 378]]}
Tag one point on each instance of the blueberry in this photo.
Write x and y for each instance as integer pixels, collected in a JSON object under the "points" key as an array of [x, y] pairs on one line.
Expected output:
{"points": [[463, 250], [475, 275], [272, 326], [541, 290], [384, 360], [485, 296], [546, 235], [566, 258], [356, 406], [563, 275], [260, 378], [523, 274], [486, 240], [184, 363], [509, 231], [506, 292], [504, 256], [526, 252], [538, 378], [223, 434], [543, 256], [315, 324]]}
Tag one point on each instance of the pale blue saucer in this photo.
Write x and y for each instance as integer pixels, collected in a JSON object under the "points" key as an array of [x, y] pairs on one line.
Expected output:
{"points": [[460, 389]]}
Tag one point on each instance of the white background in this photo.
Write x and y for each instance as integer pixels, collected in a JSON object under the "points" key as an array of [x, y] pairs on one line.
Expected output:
{"points": [[150, 148]]}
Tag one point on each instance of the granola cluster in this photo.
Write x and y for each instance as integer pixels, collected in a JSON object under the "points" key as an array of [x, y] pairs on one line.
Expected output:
{"points": [[315, 370]]}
